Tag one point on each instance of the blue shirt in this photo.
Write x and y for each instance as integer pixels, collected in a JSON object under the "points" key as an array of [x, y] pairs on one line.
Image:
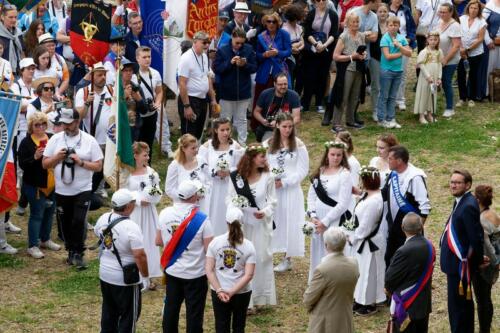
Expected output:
{"points": [[395, 65]]}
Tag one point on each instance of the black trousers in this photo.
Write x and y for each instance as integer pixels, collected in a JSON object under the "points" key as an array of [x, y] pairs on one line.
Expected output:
{"points": [[200, 108], [395, 240], [235, 308], [147, 131], [467, 86], [121, 307], [316, 69], [415, 326], [194, 292], [482, 290], [71, 213], [460, 310]]}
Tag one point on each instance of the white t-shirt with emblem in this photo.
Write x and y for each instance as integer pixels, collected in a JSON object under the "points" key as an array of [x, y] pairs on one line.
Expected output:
{"points": [[127, 236], [230, 262], [103, 121], [191, 263], [86, 148]]}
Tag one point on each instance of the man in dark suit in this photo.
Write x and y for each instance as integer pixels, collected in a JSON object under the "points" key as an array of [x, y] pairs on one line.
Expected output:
{"points": [[461, 252], [133, 37], [413, 260]]}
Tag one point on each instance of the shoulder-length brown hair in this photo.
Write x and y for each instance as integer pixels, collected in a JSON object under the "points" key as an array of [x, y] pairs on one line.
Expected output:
{"points": [[30, 38], [324, 161], [474, 2], [215, 126], [275, 141], [245, 166]]}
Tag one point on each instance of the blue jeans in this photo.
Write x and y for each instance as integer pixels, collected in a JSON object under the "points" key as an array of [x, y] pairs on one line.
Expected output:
{"points": [[41, 215], [446, 79], [389, 86]]}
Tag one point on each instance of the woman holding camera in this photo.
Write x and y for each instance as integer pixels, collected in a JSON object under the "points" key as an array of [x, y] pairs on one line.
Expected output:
{"points": [[38, 186]]}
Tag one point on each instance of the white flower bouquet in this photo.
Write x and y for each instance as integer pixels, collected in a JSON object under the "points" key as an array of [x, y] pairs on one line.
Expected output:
{"points": [[350, 225], [222, 165], [308, 228], [240, 201], [152, 194], [277, 172]]}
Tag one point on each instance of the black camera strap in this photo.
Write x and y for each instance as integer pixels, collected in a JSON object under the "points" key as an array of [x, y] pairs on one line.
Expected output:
{"points": [[109, 233], [69, 165], [148, 87], [95, 121]]}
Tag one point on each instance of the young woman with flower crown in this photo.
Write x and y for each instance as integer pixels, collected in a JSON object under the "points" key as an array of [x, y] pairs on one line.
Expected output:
{"points": [[252, 189], [329, 197], [368, 243], [145, 183], [186, 165], [222, 155], [289, 162], [381, 161]]}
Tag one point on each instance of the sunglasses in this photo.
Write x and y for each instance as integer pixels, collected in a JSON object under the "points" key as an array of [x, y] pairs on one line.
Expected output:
{"points": [[271, 21], [40, 125], [49, 89], [207, 42], [321, 0]]}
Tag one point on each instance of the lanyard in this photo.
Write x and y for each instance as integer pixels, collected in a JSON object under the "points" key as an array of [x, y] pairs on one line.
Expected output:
{"points": [[202, 66]]}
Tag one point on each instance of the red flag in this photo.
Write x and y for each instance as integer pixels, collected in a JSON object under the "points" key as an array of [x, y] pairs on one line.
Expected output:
{"points": [[8, 191]]}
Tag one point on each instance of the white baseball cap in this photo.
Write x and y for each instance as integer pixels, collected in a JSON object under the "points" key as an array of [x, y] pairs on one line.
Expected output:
{"points": [[45, 38], [234, 214], [188, 188], [122, 197], [26, 62]]}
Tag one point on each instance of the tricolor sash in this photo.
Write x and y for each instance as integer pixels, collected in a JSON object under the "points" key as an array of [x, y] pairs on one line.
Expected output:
{"points": [[405, 299], [402, 202], [181, 238], [457, 249]]}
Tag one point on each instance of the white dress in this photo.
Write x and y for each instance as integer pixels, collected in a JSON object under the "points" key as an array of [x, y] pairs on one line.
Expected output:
{"points": [[260, 233], [354, 167], [370, 286], [147, 216], [176, 174], [290, 212], [378, 163], [218, 186], [338, 187]]}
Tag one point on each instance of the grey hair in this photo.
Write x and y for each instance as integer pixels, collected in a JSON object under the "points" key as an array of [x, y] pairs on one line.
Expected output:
{"points": [[334, 239], [412, 224]]}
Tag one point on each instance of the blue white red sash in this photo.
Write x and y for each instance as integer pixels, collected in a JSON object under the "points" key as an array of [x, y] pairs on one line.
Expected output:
{"points": [[405, 298], [401, 201], [457, 249]]}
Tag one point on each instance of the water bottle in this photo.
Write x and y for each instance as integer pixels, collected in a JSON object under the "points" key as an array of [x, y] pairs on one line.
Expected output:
{"points": [[466, 65]]}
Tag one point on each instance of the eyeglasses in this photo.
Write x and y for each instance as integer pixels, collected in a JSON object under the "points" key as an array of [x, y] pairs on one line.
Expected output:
{"points": [[40, 125], [49, 89], [206, 42], [321, 0], [271, 21]]}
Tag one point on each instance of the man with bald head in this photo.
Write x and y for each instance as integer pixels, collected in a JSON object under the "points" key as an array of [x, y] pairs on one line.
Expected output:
{"points": [[408, 279]]}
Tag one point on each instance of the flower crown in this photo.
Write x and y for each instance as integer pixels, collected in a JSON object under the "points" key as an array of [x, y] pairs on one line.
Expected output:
{"points": [[258, 149], [369, 171], [335, 144]]}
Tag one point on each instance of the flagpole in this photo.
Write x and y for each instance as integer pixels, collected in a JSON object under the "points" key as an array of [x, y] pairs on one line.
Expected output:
{"points": [[117, 172], [9, 94], [117, 158], [160, 138]]}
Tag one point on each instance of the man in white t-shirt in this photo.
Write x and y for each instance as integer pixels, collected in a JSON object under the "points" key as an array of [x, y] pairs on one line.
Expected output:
{"points": [[186, 279], [120, 238], [75, 156], [194, 86]]}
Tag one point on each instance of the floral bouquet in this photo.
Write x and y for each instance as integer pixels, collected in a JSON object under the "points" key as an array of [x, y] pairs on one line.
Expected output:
{"points": [[350, 225], [240, 201], [202, 192], [152, 194], [277, 172], [308, 228], [222, 165]]}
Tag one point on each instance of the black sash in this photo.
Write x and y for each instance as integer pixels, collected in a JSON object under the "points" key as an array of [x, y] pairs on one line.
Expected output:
{"points": [[373, 247], [323, 196], [245, 190]]}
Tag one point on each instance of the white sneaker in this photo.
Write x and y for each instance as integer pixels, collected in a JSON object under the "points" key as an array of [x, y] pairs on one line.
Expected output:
{"points": [[448, 113], [285, 265], [20, 211], [402, 106], [393, 124], [460, 103], [374, 116], [8, 249], [50, 245], [320, 109], [471, 104], [11, 228], [35, 252], [382, 123]]}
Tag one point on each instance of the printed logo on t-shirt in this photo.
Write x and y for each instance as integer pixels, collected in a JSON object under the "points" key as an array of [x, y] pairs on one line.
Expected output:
{"points": [[230, 257]]}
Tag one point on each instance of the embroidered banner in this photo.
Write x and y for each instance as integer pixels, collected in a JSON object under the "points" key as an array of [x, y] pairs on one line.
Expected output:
{"points": [[202, 16]]}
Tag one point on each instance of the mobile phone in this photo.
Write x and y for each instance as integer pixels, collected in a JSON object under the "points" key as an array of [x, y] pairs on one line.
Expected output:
{"points": [[43, 143]]}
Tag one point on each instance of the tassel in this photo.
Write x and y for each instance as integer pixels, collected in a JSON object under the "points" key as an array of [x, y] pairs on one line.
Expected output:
{"points": [[405, 324], [469, 293], [461, 289], [164, 279]]}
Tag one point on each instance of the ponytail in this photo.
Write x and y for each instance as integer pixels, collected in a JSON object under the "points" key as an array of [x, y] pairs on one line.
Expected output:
{"points": [[235, 234]]}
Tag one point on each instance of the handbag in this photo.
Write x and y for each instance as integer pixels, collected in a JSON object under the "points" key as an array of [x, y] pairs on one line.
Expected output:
{"points": [[320, 36]]}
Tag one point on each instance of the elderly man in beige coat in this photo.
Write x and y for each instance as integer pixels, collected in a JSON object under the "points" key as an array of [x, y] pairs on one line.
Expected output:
{"points": [[330, 294]]}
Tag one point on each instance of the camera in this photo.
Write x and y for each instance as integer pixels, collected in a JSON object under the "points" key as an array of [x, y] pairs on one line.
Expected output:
{"points": [[151, 105], [67, 159], [60, 105], [135, 88]]}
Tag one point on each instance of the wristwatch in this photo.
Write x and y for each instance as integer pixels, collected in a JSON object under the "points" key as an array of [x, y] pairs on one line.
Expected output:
{"points": [[187, 106]]}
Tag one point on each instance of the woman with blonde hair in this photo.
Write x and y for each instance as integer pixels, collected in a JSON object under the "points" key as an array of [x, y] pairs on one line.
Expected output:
{"points": [[252, 189], [188, 165], [144, 182]]}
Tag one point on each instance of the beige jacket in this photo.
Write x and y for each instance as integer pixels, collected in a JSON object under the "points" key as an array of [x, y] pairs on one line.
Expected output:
{"points": [[330, 294]]}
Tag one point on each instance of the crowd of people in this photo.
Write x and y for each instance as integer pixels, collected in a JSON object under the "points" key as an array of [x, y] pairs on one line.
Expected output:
{"points": [[235, 203]]}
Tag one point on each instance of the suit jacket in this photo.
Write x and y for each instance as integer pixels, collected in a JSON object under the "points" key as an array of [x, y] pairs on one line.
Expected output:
{"points": [[330, 294], [467, 223], [407, 266], [130, 46]]}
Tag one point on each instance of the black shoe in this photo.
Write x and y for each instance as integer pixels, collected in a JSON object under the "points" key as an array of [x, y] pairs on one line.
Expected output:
{"points": [[337, 129], [79, 262], [69, 260], [359, 121], [170, 124], [327, 121], [355, 125], [356, 306], [366, 310]]}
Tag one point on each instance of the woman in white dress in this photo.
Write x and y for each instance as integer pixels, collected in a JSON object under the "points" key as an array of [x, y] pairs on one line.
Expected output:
{"points": [[222, 155], [329, 197], [186, 165], [253, 181], [368, 243], [289, 162], [381, 161], [144, 182]]}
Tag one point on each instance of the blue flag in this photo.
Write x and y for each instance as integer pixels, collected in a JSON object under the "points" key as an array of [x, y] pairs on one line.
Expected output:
{"points": [[9, 111], [152, 31]]}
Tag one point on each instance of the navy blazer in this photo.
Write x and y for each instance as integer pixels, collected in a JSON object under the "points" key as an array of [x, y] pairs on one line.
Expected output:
{"points": [[470, 233], [234, 83], [130, 46], [407, 266]]}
